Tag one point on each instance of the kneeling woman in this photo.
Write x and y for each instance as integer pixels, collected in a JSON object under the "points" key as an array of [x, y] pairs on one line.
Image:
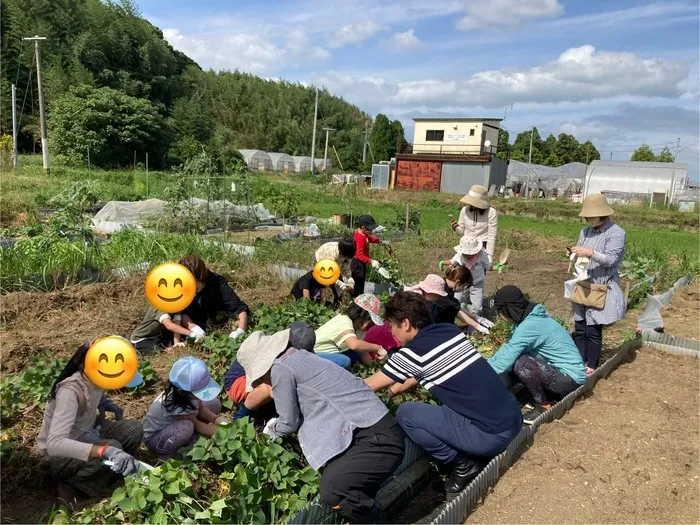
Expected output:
{"points": [[342, 426], [540, 352], [74, 440]]}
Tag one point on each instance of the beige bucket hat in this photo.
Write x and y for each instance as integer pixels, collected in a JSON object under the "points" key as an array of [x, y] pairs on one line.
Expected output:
{"points": [[468, 245], [258, 352], [477, 197], [596, 205]]}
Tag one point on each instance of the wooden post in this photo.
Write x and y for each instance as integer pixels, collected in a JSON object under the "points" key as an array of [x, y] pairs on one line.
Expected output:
{"points": [[627, 291], [407, 211]]}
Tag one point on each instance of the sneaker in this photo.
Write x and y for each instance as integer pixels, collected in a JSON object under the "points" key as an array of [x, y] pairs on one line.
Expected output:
{"points": [[530, 416], [528, 406]]}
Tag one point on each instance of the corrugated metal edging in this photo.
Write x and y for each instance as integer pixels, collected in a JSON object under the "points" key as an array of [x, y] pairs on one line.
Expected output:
{"points": [[676, 350], [668, 340], [456, 510], [317, 512]]}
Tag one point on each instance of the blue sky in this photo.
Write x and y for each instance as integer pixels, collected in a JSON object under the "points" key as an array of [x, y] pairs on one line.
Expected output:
{"points": [[616, 72]]}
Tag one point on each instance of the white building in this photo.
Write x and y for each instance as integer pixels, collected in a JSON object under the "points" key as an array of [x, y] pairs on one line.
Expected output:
{"points": [[628, 179], [465, 136]]}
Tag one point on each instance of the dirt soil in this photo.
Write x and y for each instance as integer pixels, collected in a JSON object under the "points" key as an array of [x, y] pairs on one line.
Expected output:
{"points": [[682, 317], [626, 454]]}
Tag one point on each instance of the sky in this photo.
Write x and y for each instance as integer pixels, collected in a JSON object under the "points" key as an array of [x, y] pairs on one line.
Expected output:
{"points": [[616, 72]]}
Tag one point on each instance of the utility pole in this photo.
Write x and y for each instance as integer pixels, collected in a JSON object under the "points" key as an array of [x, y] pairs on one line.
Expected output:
{"points": [[364, 145], [673, 178], [505, 112], [42, 112], [313, 136], [611, 155], [325, 153], [529, 161], [14, 126]]}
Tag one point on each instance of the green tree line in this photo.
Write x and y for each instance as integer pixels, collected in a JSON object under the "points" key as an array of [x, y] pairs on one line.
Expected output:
{"points": [[113, 85], [552, 152]]}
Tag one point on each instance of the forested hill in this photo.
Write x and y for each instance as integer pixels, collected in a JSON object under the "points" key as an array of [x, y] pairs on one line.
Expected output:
{"points": [[94, 47]]}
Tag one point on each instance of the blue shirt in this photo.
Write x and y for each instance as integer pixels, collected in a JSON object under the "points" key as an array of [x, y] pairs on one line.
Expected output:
{"points": [[445, 363], [542, 337]]}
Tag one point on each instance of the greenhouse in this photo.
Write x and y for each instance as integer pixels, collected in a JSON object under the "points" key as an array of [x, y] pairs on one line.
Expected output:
{"points": [[564, 179], [318, 163], [257, 160], [282, 162], [302, 164]]}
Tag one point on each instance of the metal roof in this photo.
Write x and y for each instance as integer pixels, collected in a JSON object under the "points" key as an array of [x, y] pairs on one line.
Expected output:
{"points": [[638, 164], [465, 119]]}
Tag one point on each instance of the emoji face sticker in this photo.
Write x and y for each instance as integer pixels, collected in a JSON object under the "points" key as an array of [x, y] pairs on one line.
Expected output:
{"points": [[170, 287], [111, 363], [326, 272]]}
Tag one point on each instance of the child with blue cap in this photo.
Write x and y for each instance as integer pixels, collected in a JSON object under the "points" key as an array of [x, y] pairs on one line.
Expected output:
{"points": [[186, 408]]}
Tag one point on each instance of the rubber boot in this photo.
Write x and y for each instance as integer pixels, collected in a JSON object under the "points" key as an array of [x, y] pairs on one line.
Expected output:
{"points": [[464, 469]]}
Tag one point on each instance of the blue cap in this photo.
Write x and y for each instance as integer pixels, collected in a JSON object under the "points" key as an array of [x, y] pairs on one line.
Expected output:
{"points": [[192, 375], [135, 381]]}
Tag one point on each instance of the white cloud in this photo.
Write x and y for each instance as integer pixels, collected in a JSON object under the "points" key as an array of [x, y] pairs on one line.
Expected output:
{"points": [[507, 12], [578, 74], [245, 52], [354, 33], [404, 42]]}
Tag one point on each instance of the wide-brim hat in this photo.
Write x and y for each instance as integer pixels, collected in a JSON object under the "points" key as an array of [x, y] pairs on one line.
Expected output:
{"points": [[468, 245], [596, 205], [371, 304], [477, 197], [258, 352], [431, 284]]}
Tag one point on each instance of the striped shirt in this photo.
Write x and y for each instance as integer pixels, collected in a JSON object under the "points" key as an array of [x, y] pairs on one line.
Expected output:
{"points": [[608, 245], [444, 362]]}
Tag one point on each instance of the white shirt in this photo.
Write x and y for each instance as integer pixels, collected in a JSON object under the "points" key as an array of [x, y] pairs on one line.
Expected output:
{"points": [[483, 226]]}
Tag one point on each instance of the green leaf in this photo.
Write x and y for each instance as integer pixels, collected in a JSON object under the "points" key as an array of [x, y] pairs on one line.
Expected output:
{"points": [[172, 488], [155, 496], [202, 515]]}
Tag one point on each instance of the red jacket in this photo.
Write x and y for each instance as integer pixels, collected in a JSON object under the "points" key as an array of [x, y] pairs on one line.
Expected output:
{"points": [[362, 241]]}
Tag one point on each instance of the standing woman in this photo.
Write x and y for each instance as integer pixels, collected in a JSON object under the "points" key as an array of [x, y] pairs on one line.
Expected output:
{"points": [[478, 219], [74, 440], [603, 242]]}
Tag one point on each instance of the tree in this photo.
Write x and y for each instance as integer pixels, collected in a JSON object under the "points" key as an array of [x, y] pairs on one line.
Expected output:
{"points": [[665, 155], [503, 149], [384, 137], [587, 152], [521, 147], [110, 123], [643, 154]]}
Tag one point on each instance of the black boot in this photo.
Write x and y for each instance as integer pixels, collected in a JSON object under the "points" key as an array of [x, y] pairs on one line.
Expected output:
{"points": [[464, 469]]}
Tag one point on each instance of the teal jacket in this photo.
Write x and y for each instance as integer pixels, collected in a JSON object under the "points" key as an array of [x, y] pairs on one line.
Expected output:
{"points": [[541, 336]]}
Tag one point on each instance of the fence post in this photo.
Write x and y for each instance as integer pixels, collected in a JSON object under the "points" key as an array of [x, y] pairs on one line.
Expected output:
{"points": [[407, 208], [88, 148], [147, 181]]}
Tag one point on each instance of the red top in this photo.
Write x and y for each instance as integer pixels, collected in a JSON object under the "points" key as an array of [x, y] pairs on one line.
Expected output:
{"points": [[362, 241]]}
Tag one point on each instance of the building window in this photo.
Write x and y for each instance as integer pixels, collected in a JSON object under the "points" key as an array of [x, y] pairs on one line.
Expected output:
{"points": [[471, 132], [437, 135]]}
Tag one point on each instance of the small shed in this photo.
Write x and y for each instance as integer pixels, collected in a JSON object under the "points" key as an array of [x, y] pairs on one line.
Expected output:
{"points": [[318, 163], [301, 164], [256, 159], [282, 162]]}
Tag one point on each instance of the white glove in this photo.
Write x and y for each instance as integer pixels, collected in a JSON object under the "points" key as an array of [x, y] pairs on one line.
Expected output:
{"points": [[236, 333], [196, 334], [384, 273], [484, 322], [341, 285], [222, 421], [482, 329], [382, 354], [375, 264], [270, 428]]}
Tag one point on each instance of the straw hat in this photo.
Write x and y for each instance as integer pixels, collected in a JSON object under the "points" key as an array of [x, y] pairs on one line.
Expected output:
{"points": [[431, 284], [258, 352], [468, 245], [596, 205], [477, 197]]}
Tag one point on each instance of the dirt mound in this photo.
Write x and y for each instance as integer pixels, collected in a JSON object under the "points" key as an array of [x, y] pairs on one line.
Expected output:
{"points": [[626, 454]]}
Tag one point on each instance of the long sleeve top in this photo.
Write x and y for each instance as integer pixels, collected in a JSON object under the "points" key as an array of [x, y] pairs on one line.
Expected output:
{"points": [[363, 241], [68, 429], [608, 245], [483, 226], [542, 337], [330, 250], [217, 296], [323, 402]]}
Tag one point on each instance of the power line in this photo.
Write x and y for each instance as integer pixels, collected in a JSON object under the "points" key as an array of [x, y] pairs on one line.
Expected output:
{"points": [[27, 90], [19, 61]]}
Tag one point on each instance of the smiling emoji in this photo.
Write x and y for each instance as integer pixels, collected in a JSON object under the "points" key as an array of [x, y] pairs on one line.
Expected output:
{"points": [[111, 363], [326, 272], [170, 287]]}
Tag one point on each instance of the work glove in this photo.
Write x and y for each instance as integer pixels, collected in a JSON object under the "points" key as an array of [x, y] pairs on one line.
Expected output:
{"points": [[122, 463], [236, 333], [107, 405], [384, 273], [482, 329], [270, 428], [341, 285], [441, 265], [382, 355], [375, 264], [484, 322], [196, 334], [220, 420]]}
